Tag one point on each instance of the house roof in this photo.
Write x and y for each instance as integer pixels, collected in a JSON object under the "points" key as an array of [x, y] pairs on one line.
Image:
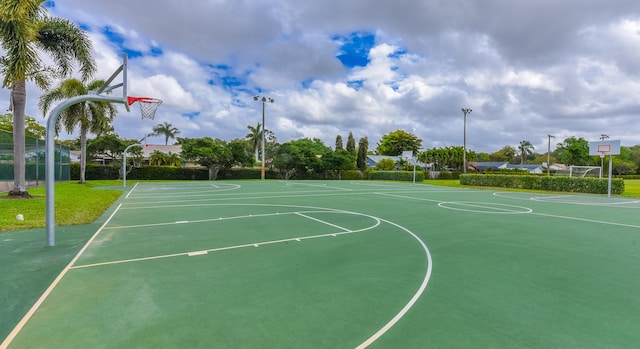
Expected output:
{"points": [[481, 166], [524, 167]]}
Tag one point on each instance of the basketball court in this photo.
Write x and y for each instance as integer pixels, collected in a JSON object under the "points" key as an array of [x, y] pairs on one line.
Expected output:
{"points": [[341, 264]]}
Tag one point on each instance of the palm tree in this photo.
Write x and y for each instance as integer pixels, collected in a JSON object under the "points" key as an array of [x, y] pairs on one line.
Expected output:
{"points": [[91, 116], [525, 148], [26, 31], [157, 158], [165, 129], [174, 159], [255, 138]]}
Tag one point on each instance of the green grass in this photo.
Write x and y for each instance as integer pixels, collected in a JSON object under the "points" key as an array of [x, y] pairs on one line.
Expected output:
{"points": [[74, 204], [632, 188]]}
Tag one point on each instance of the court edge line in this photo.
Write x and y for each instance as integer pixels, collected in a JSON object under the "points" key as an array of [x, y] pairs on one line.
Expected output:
{"points": [[132, 189], [413, 299], [16, 330], [586, 220]]}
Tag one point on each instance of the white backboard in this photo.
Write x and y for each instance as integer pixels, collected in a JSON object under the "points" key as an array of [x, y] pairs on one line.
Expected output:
{"points": [[604, 147]]}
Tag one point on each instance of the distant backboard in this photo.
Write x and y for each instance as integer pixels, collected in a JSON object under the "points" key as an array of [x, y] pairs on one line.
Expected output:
{"points": [[407, 155], [604, 148]]}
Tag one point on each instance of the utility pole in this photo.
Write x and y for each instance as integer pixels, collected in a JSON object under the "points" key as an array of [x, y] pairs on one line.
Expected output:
{"points": [[465, 111]]}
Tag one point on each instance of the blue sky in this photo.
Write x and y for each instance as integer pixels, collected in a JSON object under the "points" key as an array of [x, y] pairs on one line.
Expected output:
{"points": [[527, 69]]}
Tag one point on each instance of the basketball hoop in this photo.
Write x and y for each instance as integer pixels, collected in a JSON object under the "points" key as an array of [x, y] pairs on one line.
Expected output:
{"points": [[148, 105]]}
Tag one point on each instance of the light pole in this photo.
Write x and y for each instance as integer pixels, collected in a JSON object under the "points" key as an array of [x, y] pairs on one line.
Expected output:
{"points": [[602, 138], [263, 100], [549, 153], [464, 145]]}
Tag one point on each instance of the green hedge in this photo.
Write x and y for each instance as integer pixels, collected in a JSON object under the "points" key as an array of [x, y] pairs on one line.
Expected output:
{"points": [[352, 175], [553, 183], [247, 173], [396, 175], [168, 173], [93, 172]]}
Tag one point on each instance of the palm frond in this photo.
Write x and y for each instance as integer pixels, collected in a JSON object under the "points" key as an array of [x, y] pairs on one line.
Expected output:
{"points": [[66, 43]]}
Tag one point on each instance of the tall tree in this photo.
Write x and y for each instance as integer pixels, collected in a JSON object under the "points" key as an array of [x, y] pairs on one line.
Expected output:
{"points": [[394, 143], [213, 154], [166, 130], [525, 148], [32, 128], [351, 144], [255, 139], [573, 151], [26, 31], [361, 160], [339, 143], [301, 156], [507, 153], [90, 116], [241, 156]]}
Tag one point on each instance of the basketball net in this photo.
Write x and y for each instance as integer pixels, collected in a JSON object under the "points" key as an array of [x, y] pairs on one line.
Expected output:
{"points": [[148, 106]]}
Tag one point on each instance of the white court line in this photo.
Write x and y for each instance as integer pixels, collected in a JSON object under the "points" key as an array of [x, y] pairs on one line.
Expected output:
{"points": [[554, 200], [200, 220], [587, 220], [413, 299], [251, 244], [132, 189], [407, 197], [317, 185], [486, 207], [323, 222], [55, 282], [197, 253]]}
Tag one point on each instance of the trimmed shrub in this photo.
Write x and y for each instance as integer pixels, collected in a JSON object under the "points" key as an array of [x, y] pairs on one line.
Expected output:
{"points": [[168, 173], [396, 176], [352, 175], [566, 184], [94, 172]]}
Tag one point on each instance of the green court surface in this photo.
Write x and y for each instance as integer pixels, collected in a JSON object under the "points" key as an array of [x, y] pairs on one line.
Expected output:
{"points": [[341, 264]]}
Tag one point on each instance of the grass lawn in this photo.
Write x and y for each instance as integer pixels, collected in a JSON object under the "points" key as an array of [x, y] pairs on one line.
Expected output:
{"points": [[74, 204]]}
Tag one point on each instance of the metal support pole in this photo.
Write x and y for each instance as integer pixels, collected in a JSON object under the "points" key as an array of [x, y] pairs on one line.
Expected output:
{"points": [[549, 154], [602, 138], [124, 163], [37, 164], [50, 156], [263, 100], [464, 145], [262, 170], [414, 170], [609, 180]]}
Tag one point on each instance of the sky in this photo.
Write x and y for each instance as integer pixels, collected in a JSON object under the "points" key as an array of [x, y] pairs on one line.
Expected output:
{"points": [[527, 69]]}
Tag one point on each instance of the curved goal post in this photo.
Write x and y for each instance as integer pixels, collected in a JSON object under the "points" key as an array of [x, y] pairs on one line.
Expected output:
{"points": [[148, 107], [585, 171]]}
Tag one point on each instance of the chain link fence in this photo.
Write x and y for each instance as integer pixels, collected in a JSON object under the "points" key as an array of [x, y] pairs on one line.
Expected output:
{"points": [[34, 162]]}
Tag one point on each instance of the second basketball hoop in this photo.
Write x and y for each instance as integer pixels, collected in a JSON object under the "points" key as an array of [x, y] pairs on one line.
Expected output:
{"points": [[148, 106]]}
